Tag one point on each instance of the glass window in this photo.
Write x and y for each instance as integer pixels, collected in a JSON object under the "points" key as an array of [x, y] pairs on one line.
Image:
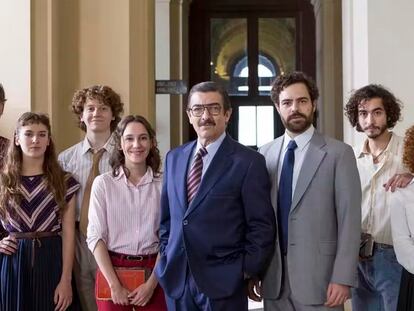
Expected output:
{"points": [[229, 54], [247, 125], [256, 125], [277, 50]]}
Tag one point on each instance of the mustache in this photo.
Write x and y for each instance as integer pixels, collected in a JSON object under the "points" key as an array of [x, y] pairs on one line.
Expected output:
{"points": [[207, 122], [298, 114], [371, 127]]}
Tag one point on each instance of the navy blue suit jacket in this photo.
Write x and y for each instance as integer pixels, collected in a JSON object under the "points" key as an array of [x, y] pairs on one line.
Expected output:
{"points": [[228, 230]]}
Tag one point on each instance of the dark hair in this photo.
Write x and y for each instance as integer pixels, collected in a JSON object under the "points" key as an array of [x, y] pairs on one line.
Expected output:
{"points": [[2, 95], [105, 95], [118, 158], [392, 105], [10, 176], [285, 80], [210, 86], [408, 154]]}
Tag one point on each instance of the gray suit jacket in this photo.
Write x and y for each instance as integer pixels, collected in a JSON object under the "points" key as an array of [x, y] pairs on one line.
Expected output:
{"points": [[324, 221]]}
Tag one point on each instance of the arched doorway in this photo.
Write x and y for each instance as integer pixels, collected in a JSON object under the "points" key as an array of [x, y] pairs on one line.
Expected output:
{"points": [[245, 44]]}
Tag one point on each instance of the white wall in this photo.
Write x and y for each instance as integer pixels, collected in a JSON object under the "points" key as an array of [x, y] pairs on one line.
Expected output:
{"points": [[391, 51], [378, 48], [14, 61]]}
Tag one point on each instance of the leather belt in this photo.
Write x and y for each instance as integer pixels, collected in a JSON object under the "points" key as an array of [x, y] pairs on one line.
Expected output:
{"points": [[33, 235], [382, 246], [132, 257]]}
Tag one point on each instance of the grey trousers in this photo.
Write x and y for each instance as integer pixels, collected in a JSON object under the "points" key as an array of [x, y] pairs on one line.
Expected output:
{"points": [[287, 302], [84, 268]]}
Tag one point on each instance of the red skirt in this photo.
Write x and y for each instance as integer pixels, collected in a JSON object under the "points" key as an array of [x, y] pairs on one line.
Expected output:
{"points": [[157, 301]]}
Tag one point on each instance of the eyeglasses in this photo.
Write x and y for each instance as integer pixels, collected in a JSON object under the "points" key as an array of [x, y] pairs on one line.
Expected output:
{"points": [[198, 110]]}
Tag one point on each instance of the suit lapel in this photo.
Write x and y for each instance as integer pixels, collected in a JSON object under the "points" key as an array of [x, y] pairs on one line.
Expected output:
{"points": [[272, 161], [216, 169], [181, 174], [273, 158], [313, 159]]}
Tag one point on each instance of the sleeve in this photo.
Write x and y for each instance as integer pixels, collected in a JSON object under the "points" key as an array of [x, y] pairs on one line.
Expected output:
{"points": [[260, 218], [401, 234], [62, 161], [97, 215], [72, 187], [348, 213]]}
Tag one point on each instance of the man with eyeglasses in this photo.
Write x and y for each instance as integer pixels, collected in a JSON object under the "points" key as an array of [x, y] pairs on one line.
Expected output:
{"points": [[217, 222]]}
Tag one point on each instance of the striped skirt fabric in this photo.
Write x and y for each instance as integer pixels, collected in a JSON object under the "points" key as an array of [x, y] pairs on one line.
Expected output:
{"points": [[30, 276]]}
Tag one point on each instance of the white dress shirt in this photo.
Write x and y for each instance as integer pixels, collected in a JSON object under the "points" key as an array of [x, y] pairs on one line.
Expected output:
{"points": [[376, 206], [402, 224], [124, 216], [302, 141], [78, 161]]}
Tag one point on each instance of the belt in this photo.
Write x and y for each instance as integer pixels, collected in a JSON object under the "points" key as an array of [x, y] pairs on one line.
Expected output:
{"points": [[35, 237], [32, 235], [382, 246], [132, 257]]}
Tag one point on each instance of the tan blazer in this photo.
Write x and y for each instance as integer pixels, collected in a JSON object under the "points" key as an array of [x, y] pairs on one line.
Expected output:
{"points": [[324, 221]]}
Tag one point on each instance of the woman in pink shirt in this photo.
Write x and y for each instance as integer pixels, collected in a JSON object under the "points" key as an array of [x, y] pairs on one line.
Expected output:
{"points": [[124, 216]]}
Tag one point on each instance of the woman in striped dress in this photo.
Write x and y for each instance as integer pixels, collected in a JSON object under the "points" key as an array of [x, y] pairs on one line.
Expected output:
{"points": [[37, 210]]}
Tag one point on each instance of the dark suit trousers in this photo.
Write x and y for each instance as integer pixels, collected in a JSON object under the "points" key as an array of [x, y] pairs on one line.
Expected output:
{"points": [[193, 299]]}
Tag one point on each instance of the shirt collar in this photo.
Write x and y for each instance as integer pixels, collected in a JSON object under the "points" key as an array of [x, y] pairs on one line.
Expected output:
{"points": [[301, 140], [109, 145], [213, 147], [363, 151], [146, 179]]}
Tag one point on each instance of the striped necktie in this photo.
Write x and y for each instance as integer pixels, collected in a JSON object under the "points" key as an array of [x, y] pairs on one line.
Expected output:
{"points": [[194, 177]]}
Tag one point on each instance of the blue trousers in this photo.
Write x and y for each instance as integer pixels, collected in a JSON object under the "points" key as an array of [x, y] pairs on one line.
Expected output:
{"points": [[378, 282], [194, 300]]}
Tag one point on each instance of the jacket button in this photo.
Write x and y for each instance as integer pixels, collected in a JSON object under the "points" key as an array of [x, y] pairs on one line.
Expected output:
{"points": [[185, 222]]}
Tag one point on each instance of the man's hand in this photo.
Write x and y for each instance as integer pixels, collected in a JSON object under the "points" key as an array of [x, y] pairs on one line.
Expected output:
{"points": [[254, 288], [336, 295], [398, 181]]}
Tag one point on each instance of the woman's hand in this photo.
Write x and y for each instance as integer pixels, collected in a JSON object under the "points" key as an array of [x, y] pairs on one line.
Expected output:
{"points": [[63, 295], [142, 294], [8, 245], [119, 295]]}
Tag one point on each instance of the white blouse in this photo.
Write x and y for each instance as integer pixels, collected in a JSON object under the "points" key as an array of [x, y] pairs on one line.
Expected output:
{"points": [[402, 224]]}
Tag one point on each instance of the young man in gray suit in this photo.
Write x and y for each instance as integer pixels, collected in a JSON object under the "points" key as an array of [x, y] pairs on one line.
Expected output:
{"points": [[316, 197]]}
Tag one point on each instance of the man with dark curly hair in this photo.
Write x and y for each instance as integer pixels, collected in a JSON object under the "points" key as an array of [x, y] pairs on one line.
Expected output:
{"points": [[374, 110], [98, 110], [316, 197]]}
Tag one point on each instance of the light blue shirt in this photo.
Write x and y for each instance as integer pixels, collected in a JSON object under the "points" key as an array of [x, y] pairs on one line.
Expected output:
{"points": [[211, 152]]}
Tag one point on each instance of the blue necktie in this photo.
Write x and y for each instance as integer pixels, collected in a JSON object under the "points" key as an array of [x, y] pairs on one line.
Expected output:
{"points": [[285, 194]]}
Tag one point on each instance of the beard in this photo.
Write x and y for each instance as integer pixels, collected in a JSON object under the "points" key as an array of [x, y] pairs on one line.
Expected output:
{"points": [[378, 131], [298, 122]]}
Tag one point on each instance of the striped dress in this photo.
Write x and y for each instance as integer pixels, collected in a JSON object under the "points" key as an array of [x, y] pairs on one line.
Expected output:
{"points": [[30, 276]]}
